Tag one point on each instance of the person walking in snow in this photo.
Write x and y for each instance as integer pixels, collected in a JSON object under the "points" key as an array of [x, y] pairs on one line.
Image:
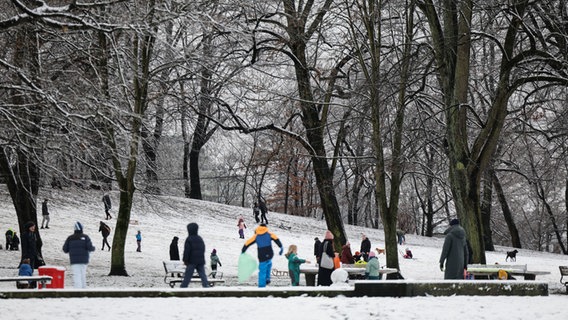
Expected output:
{"points": [[454, 252], [294, 264], [242, 226], [194, 256], [214, 261], [263, 211], [9, 236], [317, 249], [256, 212], [79, 246], [263, 239], [44, 214], [108, 205], [104, 229], [138, 241], [174, 250]]}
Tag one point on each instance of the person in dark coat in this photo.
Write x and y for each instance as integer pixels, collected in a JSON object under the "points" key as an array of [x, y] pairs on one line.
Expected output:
{"points": [[174, 251], [324, 273], [263, 239], [194, 256], [104, 229], [108, 206], [454, 252], [9, 236], [79, 246], [29, 244], [346, 255], [317, 249], [263, 211], [45, 214], [365, 247], [256, 212], [15, 242]]}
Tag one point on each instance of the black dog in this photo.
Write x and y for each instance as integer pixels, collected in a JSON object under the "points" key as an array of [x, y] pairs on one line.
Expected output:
{"points": [[512, 255]]}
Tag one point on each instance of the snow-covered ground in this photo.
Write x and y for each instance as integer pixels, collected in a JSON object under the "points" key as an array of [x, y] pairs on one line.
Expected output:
{"points": [[161, 218]]}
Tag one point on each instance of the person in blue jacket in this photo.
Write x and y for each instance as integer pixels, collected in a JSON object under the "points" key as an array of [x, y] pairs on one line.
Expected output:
{"points": [[79, 246], [263, 239]]}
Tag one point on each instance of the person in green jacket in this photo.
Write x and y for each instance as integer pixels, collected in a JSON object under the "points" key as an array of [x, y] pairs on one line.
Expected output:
{"points": [[372, 268], [294, 264]]}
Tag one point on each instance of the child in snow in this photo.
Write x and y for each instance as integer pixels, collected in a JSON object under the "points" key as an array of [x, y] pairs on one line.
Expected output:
{"points": [[242, 226], [214, 262], [407, 254], [24, 271], [294, 264], [372, 268], [138, 241]]}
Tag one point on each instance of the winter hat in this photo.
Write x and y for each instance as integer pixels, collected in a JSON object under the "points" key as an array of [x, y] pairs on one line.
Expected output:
{"points": [[371, 254], [328, 235], [29, 225], [316, 239], [78, 226], [454, 222], [214, 251]]}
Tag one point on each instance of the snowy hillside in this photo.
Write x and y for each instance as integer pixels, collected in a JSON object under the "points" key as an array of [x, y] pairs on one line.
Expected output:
{"points": [[161, 218]]}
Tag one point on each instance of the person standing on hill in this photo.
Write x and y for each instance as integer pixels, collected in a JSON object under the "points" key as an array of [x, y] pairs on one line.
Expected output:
{"points": [[242, 226], [365, 247], [263, 239], [194, 256], [108, 205], [104, 229], [256, 212], [79, 246], [45, 214], [139, 241], [9, 236], [317, 249], [174, 250], [263, 211], [29, 244], [454, 252]]}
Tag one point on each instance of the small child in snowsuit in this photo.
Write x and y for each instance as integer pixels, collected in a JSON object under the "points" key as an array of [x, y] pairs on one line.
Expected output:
{"points": [[138, 241], [25, 270], [214, 262], [294, 264], [407, 254], [242, 226]]}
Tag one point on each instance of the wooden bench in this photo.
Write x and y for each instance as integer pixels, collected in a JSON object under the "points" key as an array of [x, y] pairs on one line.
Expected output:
{"points": [[22, 282], [491, 271], [564, 272], [175, 271]]}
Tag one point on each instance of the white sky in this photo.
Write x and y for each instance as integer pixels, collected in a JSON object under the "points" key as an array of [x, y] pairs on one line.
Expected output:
{"points": [[159, 219]]}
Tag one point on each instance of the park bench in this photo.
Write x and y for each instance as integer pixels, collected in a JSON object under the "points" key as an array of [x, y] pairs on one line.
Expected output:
{"points": [[491, 271], [564, 272], [175, 271], [22, 282]]}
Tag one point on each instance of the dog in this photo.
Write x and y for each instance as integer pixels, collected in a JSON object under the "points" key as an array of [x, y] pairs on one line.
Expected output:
{"points": [[512, 255], [379, 250]]}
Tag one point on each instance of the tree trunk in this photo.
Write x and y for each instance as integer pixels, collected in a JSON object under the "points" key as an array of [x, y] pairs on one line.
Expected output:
{"points": [[486, 208], [507, 214]]}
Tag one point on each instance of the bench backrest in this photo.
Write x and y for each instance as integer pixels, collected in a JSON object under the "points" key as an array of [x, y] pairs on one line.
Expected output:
{"points": [[563, 270], [520, 267], [172, 266]]}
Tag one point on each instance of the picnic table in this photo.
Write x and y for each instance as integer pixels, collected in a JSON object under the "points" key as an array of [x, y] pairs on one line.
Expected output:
{"points": [[42, 280], [491, 271], [311, 270]]}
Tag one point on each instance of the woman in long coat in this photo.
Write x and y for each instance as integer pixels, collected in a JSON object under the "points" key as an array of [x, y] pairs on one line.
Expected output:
{"points": [[324, 273], [454, 252]]}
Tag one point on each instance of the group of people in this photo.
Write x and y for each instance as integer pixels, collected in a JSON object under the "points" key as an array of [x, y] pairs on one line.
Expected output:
{"points": [[12, 240]]}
